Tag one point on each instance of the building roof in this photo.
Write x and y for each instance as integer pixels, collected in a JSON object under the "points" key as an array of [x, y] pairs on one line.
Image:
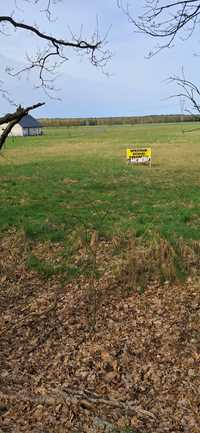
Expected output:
{"points": [[29, 122]]}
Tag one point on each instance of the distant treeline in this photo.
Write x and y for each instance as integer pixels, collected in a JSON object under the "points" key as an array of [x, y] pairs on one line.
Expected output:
{"points": [[132, 120]]}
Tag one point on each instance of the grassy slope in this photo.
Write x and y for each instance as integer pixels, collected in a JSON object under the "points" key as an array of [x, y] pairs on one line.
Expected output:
{"points": [[76, 176]]}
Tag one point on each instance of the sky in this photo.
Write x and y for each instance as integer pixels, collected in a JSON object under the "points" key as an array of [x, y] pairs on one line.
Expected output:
{"points": [[131, 84]]}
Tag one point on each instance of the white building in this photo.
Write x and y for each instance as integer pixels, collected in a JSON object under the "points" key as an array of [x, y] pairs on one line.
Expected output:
{"points": [[26, 126]]}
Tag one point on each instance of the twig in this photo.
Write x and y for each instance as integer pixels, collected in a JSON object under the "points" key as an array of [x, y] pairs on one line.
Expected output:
{"points": [[83, 398]]}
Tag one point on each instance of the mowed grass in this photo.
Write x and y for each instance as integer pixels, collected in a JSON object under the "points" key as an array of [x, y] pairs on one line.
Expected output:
{"points": [[77, 178]]}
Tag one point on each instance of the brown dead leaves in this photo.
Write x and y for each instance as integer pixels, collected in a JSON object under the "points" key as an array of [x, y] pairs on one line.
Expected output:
{"points": [[138, 372]]}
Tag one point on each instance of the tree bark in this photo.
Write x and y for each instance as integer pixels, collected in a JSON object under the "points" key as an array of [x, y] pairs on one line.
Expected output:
{"points": [[13, 118]]}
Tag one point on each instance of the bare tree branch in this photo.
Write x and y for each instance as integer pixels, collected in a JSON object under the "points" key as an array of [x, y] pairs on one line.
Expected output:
{"points": [[11, 119], [165, 20], [189, 92], [46, 60], [55, 41], [94, 48]]}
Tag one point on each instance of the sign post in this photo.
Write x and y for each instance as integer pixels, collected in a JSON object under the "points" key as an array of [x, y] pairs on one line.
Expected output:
{"points": [[139, 156]]}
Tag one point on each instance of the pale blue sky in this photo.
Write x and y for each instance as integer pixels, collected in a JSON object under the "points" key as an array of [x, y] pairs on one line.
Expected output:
{"points": [[136, 86]]}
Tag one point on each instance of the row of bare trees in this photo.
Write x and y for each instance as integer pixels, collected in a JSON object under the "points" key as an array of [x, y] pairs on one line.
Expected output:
{"points": [[160, 19], [108, 121]]}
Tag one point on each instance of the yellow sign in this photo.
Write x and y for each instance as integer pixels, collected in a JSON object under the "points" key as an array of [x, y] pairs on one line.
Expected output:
{"points": [[139, 155]]}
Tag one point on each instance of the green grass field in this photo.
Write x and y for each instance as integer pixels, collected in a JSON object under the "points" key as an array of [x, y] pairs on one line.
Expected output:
{"points": [[99, 281], [73, 177], [72, 181]]}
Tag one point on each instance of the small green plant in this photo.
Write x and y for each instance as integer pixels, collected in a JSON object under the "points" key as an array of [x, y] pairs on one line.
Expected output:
{"points": [[141, 290], [91, 269]]}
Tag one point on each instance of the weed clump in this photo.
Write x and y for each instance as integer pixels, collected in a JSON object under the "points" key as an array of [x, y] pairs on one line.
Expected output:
{"points": [[156, 260]]}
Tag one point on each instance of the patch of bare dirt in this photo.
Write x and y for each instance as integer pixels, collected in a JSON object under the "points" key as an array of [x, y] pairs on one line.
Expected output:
{"points": [[68, 181], [137, 372]]}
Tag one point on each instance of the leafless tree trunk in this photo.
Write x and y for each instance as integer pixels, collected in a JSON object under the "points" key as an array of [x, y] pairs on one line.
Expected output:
{"points": [[11, 119]]}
